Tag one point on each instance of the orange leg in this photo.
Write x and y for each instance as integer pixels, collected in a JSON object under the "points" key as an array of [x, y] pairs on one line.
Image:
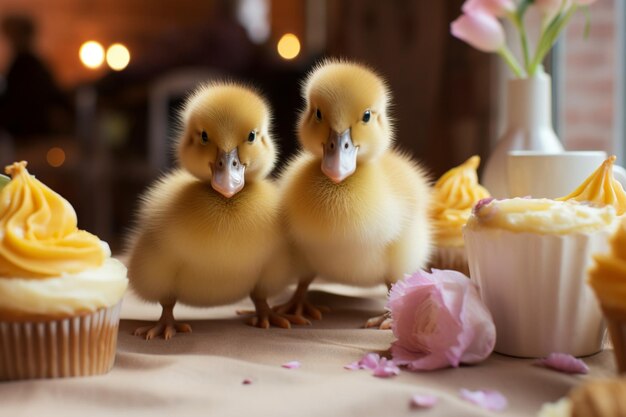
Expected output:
{"points": [[264, 316], [299, 307], [166, 326], [382, 322]]}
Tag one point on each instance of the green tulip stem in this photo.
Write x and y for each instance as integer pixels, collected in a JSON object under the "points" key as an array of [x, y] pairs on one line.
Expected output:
{"points": [[509, 58]]}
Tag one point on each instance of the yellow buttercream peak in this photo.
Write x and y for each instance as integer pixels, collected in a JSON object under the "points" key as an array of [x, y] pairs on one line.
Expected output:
{"points": [[15, 168], [601, 188], [455, 193], [39, 236]]}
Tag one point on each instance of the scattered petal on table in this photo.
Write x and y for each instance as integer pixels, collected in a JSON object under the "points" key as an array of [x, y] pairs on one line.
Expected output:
{"points": [[246, 381], [354, 366], [292, 365], [370, 361], [386, 368], [488, 399], [423, 401], [563, 362]]}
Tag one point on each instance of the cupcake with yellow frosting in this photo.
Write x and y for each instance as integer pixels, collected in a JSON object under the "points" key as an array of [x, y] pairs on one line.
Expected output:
{"points": [[608, 280], [529, 258], [60, 290], [601, 189], [454, 195], [596, 398]]}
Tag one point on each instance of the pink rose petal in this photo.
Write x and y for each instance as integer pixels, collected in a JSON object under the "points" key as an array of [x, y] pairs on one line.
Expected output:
{"points": [[386, 368], [354, 366], [292, 365], [563, 362], [369, 361], [488, 399], [423, 401], [246, 381]]}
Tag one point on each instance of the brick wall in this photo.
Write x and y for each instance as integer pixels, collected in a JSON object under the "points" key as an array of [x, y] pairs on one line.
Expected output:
{"points": [[590, 88]]}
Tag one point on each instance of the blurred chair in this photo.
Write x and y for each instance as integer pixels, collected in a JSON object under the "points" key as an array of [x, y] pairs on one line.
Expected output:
{"points": [[165, 96]]}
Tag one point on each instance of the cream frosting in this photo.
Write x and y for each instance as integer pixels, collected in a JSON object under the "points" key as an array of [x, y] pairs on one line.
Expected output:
{"points": [[601, 188], [454, 195], [608, 276], [87, 290], [542, 216]]}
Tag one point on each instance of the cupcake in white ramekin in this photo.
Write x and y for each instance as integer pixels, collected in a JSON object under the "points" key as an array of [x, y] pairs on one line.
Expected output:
{"points": [[60, 290], [529, 258]]}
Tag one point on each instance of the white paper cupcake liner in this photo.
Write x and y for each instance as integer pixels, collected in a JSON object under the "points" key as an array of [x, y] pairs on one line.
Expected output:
{"points": [[450, 258], [535, 287], [77, 346]]}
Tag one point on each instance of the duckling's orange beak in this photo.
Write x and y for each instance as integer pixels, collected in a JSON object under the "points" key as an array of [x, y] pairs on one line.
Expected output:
{"points": [[339, 161], [228, 173]]}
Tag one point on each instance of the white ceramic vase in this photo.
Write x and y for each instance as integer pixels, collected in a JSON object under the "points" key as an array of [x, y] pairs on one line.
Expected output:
{"points": [[528, 127]]}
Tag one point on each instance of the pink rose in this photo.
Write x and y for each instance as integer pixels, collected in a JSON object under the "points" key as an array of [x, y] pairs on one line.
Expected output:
{"points": [[439, 321], [498, 8], [480, 29]]}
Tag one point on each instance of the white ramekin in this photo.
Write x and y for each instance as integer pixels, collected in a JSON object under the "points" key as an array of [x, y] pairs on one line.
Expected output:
{"points": [[535, 287]]}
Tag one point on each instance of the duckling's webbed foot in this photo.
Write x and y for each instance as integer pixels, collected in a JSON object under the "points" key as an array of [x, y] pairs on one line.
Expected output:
{"points": [[166, 326], [382, 322], [298, 306], [264, 317], [302, 308]]}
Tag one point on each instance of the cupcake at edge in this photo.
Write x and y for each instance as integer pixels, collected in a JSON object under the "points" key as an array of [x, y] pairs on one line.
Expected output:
{"points": [[608, 279], [454, 195], [60, 289], [599, 398]]}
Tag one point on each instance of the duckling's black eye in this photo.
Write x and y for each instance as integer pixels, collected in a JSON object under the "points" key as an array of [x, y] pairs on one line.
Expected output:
{"points": [[204, 138], [252, 136], [367, 116], [318, 114]]}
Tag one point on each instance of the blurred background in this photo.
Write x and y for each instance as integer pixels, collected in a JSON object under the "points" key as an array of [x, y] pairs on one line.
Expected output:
{"points": [[89, 88]]}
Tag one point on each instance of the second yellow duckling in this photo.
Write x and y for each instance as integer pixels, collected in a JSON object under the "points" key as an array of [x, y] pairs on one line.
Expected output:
{"points": [[210, 233], [357, 208]]}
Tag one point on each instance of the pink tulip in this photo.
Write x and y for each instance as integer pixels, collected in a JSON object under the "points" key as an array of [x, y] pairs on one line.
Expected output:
{"points": [[481, 30], [498, 8], [439, 321]]}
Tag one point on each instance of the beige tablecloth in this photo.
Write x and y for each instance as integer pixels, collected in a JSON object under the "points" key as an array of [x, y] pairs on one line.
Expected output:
{"points": [[201, 374]]}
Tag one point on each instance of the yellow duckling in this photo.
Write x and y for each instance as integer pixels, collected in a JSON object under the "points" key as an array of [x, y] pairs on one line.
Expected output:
{"points": [[357, 208], [209, 233]]}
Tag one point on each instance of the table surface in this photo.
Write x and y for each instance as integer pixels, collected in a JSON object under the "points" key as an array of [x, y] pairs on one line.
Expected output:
{"points": [[202, 373]]}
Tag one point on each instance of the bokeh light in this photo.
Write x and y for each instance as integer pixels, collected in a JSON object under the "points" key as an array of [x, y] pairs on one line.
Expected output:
{"points": [[55, 157], [91, 54], [118, 56], [288, 46]]}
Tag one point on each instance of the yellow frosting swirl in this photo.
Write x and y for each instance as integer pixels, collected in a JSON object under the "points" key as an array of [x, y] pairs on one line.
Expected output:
{"points": [[601, 188], [39, 237], [608, 276], [456, 192]]}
